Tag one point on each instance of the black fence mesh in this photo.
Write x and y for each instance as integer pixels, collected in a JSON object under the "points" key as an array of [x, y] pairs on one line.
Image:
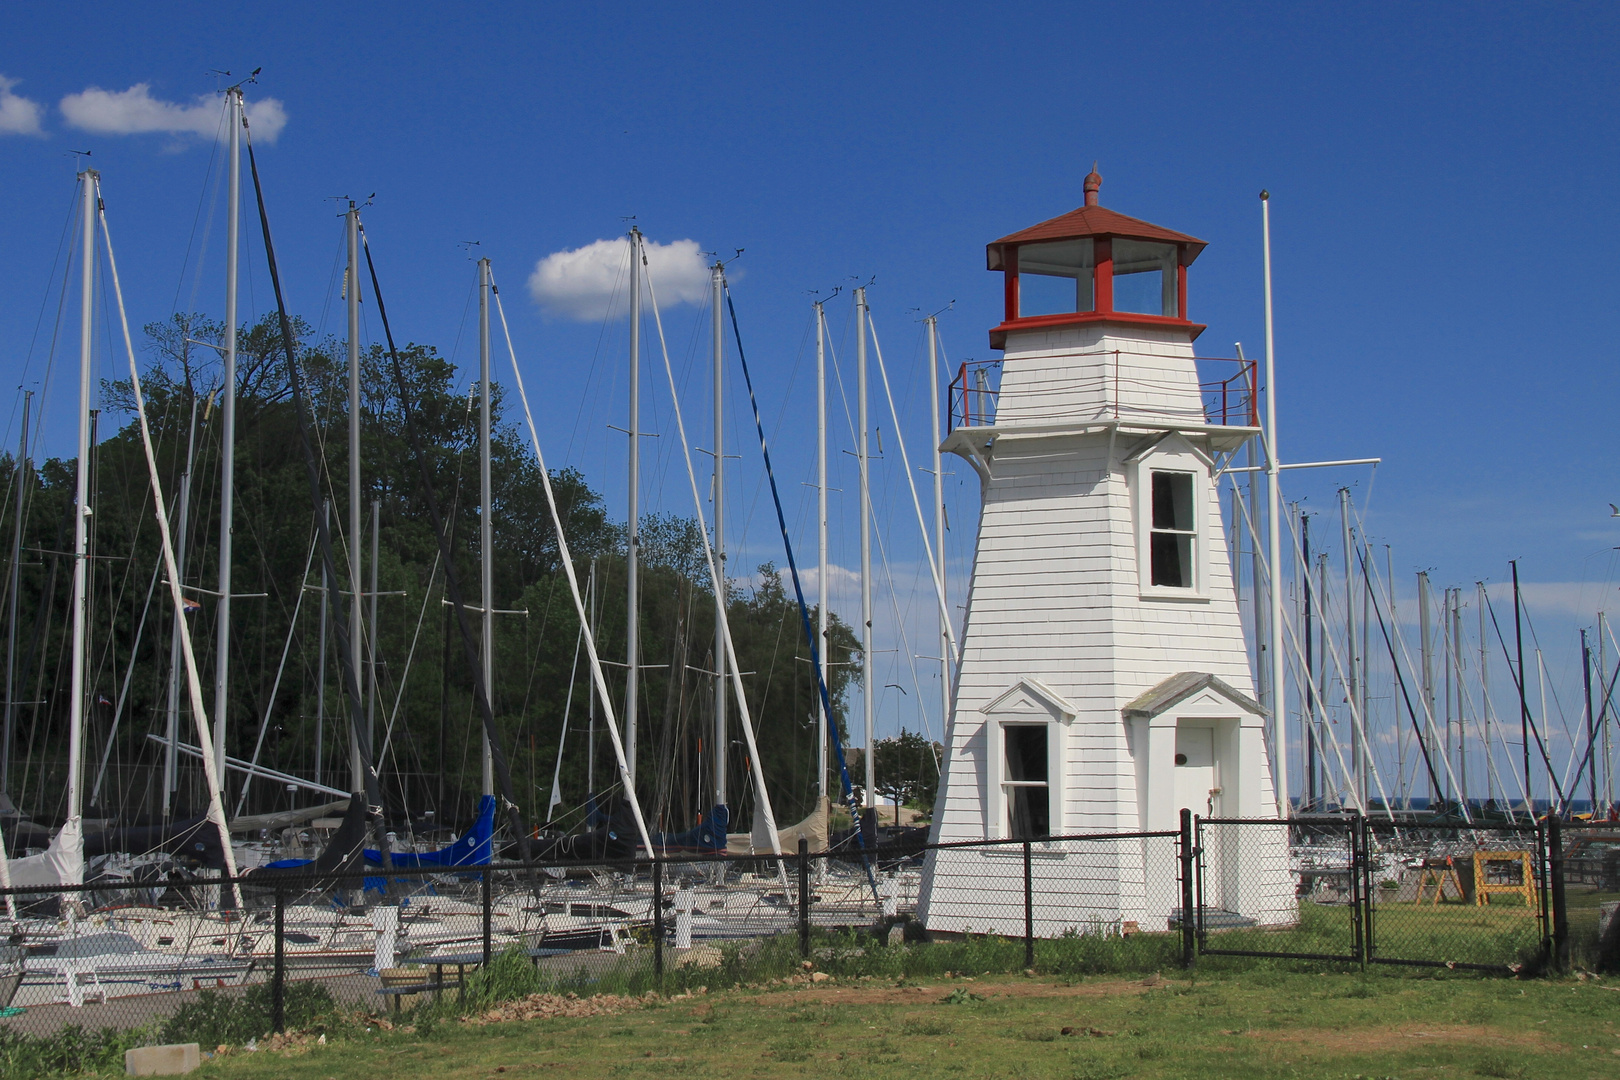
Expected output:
{"points": [[1457, 895], [1272, 888], [216, 961], [1590, 859]]}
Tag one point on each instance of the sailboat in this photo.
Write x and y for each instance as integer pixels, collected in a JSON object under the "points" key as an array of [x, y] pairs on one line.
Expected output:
{"points": [[62, 862]]}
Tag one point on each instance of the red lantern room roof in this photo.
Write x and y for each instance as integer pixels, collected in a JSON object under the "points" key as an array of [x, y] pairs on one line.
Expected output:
{"points": [[1123, 270], [1093, 220]]}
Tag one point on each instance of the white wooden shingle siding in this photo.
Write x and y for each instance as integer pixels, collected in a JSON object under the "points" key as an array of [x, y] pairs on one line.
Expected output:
{"points": [[1056, 599]]}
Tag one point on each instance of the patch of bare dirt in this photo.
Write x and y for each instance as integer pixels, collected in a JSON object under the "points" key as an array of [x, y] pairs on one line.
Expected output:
{"points": [[864, 992], [554, 1006]]}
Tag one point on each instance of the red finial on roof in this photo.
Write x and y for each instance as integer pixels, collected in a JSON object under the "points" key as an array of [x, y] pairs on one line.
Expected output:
{"points": [[1093, 182]]}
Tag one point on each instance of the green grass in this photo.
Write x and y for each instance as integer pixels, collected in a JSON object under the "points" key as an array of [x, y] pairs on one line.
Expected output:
{"points": [[1501, 933], [1583, 906], [1255, 1024]]}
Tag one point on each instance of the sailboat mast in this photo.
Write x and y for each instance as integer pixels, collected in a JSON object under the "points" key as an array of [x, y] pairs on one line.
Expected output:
{"points": [[1462, 723], [1366, 662], [866, 550], [486, 525], [1259, 585], [821, 539], [1426, 659], [171, 754], [1358, 746], [1591, 727], [356, 589], [1446, 649], [720, 738], [1603, 715], [16, 584], [1485, 696], [590, 741], [1279, 670], [227, 468], [320, 693], [1312, 794], [939, 527], [632, 543], [1262, 673], [1524, 704], [81, 520], [1324, 636], [371, 631]]}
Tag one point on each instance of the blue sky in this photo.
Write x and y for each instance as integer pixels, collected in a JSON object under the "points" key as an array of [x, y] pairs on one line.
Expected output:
{"points": [[1440, 175]]}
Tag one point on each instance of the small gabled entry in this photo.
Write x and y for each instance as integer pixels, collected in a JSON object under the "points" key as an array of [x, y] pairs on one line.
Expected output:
{"points": [[1198, 745]]}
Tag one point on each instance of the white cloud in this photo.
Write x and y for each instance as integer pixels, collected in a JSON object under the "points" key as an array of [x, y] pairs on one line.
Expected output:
{"points": [[1579, 600], [840, 581], [136, 112], [580, 284], [18, 115]]}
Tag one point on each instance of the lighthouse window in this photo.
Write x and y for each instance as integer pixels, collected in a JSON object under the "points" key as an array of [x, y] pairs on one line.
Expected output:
{"points": [[1170, 540], [1026, 784], [1145, 277], [1055, 278]]}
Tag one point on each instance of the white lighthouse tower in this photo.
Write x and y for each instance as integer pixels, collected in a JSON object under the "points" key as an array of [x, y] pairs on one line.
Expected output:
{"points": [[1104, 682]]}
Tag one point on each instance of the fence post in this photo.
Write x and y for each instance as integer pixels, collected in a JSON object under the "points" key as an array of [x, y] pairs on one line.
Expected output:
{"points": [[1360, 895], [658, 919], [804, 897], [278, 978], [489, 873], [1368, 936], [1555, 890], [1189, 930], [1029, 909]]}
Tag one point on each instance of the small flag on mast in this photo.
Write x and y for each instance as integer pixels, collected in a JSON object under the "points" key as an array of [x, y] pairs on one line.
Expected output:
{"points": [[188, 605]]}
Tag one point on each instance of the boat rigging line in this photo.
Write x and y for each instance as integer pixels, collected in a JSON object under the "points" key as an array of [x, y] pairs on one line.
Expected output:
{"points": [[340, 623], [935, 567], [566, 559], [452, 582], [837, 738], [1529, 721], [216, 806], [732, 665]]}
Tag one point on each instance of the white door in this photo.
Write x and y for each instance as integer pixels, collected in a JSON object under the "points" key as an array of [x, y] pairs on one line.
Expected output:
{"points": [[1197, 785]]}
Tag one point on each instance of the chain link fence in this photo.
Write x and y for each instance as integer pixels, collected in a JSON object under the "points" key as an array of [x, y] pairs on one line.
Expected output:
{"points": [[218, 961]]}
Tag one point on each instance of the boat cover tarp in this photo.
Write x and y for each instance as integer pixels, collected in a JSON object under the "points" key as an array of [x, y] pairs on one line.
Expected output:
{"points": [[61, 863], [813, 829], [475, 847], [605, 836], [195, 838], [344, 854], [707, 837]]}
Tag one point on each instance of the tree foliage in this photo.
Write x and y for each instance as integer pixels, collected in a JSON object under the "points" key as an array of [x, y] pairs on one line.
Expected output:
{"points": [[424, 728], [906, 770]]}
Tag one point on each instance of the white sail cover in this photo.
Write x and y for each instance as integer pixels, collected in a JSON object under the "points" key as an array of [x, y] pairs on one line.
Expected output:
{"points": [[62, 863], [813, 828]]}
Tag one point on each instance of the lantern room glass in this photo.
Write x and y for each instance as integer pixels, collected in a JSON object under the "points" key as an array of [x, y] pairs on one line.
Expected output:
{"points": [[1145, 278], [1056, 278]]}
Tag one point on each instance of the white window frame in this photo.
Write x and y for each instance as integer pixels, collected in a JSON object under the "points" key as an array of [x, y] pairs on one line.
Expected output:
{"points": [[1052, 765], [1172, 459], [1027, 703]]}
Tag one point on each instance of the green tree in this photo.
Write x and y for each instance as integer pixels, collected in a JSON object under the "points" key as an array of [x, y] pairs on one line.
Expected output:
{"points": [[424, 727], [906, 770]]}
